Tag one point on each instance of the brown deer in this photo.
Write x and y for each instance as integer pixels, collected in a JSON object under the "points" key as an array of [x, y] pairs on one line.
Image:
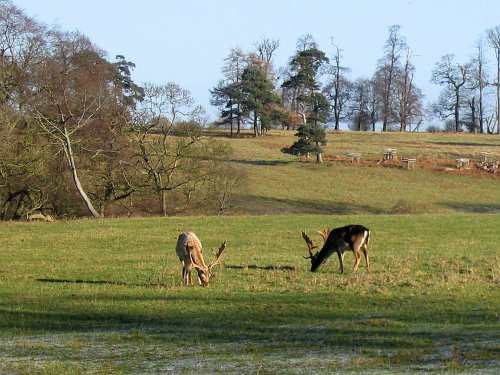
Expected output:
{"points": [[350, 237], [190, 253]]}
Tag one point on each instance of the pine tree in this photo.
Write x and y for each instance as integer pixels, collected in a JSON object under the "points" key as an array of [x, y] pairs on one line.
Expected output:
{"points": [[311, 137]]}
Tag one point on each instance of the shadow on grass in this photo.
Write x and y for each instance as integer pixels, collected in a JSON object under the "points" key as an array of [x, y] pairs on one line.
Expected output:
{"points": [[265, 268], [261, 162], [273, 205], [471, 144], [311, 321], [104, 282], [472, 207]]}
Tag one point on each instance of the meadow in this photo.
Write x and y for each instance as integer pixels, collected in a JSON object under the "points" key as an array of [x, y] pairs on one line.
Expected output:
{"points": [[105, 296]]}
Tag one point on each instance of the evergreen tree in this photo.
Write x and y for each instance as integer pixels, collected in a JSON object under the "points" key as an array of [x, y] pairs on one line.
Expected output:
{"points": [[258, 98], [306, 99], [311, 137]]}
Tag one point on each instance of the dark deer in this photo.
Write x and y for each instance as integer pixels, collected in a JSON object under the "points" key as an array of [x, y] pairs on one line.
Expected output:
{"points": [[350, 237], [190, 253]]}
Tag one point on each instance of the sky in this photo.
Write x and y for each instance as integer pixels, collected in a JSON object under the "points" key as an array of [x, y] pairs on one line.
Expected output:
{"points": [[186, 41]]}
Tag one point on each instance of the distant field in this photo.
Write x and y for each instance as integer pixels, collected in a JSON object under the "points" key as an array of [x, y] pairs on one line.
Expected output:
{"points": [[104, 297], [282, 184]]}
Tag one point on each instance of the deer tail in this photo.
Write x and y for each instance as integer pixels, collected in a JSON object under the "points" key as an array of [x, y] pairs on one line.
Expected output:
{"points": [[367, 237]]}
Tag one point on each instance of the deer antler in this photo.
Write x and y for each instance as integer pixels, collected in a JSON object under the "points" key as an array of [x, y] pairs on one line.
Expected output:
{"points": [[310, 246], [324, 233], [188, 250], [218, 255]]}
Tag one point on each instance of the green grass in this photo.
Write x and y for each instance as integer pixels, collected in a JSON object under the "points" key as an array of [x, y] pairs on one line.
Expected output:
{"points": [[105, 297]]}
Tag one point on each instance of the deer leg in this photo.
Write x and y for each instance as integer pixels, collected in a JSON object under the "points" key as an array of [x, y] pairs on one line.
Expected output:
{"points": [[358, 259], [365, 253], [341, 260], [187, 275], [184, 275]]}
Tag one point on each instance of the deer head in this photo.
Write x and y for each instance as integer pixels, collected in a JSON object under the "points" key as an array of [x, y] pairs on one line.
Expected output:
{"points": [[204, 271]]}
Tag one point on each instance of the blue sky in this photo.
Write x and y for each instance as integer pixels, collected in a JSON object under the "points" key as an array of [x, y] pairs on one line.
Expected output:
{"points": [[185, 41]]}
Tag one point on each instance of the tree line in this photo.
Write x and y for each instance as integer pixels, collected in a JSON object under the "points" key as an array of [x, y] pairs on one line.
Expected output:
{"points": [[316, 89], [80, 137]]}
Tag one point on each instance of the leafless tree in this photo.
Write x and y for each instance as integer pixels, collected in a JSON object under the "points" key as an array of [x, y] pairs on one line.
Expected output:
{"points": [[306, 42], [480, 82], [359, 105], [338, 88], [408, 96], [394, 47], [169, 147], [266, 49], [494, 40], [454, 76]]}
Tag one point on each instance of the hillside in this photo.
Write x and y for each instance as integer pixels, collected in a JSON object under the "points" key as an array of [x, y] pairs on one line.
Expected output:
{"points": [[276, 183]]}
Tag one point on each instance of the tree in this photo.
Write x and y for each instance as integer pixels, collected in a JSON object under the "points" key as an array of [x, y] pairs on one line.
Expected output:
{"points": [[408, 98], [386, 71], [22, 46], [73, 91], [338, 89], [127, 90], [306, 100], [258, 98], [224, 96], [359, 105], [455, 77], [476, 92], [28, 178], [169, 149], [227, 94], [494, 39], [265, 51], [311, 137]]}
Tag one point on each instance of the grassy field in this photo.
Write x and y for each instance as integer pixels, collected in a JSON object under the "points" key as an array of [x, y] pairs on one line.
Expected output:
{"points": [[282, 184], [105, 297]]}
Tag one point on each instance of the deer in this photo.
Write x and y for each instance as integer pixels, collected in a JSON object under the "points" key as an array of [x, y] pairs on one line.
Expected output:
{"points": [[338, 240], [190, 253]]}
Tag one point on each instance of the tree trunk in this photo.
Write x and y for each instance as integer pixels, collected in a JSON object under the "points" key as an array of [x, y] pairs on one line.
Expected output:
{"points": [[68, 151], [255, 125], [238, 119], [498, 91], [457, 110], [231, 117], [319, 156], [163, 202]]}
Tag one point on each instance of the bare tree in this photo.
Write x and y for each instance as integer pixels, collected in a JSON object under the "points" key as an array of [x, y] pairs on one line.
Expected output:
{"points": [[169, 147], [408, 96], [338, 89], [494, 39], [480, 79], [266, 49], [22, 46], [306, 42], [385, 74], [454, 76], [359, 105]]}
